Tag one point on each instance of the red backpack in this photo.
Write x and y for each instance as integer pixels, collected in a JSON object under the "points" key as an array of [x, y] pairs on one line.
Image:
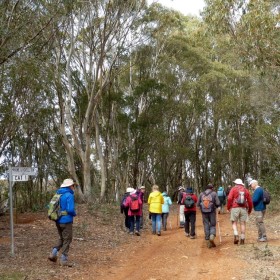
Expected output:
{"points": [[134, 205]]}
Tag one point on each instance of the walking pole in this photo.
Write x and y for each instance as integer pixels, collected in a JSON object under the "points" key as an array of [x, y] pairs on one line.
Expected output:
{"points": [[219, 230]]}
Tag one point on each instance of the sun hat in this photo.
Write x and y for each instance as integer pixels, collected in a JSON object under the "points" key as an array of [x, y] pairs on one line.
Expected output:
{"points": [[142, 187], [180, 188], [67, 183], [253, 181], [238, 182], [129, 189]]}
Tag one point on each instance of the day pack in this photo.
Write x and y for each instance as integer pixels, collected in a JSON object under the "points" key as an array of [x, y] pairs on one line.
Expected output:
{"points": [[207, 205], [221, 193], [266, 197], [189, 202], [134, 204], [54, 212], [241, 199], [123, 201]]}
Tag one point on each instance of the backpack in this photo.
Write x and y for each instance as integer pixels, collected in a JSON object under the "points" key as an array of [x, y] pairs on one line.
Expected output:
{"points": [[207, 205], [134, 204], [221, 193], [241, 199], [266, 197], [123, 201], [54, 212], [189, 202]]}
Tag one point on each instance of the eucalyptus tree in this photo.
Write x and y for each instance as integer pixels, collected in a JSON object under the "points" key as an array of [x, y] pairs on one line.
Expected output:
{"points": [[89, 40], [252, 28]]}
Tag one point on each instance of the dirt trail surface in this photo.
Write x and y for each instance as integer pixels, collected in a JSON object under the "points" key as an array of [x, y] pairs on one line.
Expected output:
{"points": [[102, 250]]}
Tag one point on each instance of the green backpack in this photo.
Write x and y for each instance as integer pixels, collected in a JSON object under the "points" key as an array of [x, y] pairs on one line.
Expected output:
{"points": [[54, 212]]}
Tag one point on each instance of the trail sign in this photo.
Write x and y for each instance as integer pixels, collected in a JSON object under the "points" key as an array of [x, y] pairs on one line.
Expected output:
{"points": [[18, 178], [23, 171]]}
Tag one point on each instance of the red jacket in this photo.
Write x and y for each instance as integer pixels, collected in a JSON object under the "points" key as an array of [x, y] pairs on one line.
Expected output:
{"points": [[127, 203], [194, 197], [233, 196]]}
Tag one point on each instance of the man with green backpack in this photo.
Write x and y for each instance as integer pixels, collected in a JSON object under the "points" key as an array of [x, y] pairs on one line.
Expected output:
{"points": [[62, 211]]}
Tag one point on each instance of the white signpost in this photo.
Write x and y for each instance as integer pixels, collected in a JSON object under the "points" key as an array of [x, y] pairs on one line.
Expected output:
{"points": [[17, 174]]}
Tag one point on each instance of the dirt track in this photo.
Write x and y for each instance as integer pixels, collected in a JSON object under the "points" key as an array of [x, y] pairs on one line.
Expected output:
{"points": [[102, 251]]}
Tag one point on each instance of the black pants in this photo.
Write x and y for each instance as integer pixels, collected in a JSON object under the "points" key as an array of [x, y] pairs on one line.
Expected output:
{"points": [[190, 219], [65, 232]]}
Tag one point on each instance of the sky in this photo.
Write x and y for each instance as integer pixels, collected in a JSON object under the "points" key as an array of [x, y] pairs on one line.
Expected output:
{"points": [[186, 7]]}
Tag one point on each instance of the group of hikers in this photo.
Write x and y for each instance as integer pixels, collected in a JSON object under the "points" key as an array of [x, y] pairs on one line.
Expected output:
{"points": [[236, 199]]}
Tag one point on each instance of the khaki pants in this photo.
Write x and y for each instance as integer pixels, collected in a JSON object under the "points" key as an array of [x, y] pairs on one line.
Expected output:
{"points": [[260, 224]]}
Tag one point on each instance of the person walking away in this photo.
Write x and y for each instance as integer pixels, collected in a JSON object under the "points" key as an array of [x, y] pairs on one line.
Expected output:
{"points": [[259, 209], [155, 202], [165, 209], [222, 197], [208, 202], [181, 207], [134, 204], [64, 224], [189, 200], [124, 209], [141, 192], [240, 206]]}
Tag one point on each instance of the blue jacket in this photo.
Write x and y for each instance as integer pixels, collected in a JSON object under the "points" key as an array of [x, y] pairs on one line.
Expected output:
{"points": [[258, 199], [67, 204], [167, 203]]}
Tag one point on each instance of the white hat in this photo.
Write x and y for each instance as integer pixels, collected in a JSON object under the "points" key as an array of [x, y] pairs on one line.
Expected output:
{"points": [[180, 188], [238, 182], [253, 181], [142, 187], [67, 183], [129, 189]]}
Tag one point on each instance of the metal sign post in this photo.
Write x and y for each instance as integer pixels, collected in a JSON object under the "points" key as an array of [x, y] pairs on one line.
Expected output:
{"points": [[11, 210], [16, 174]]}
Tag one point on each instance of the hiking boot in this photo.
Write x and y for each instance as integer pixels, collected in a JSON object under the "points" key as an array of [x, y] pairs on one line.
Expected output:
{"points": [[187, 235], [137, 233], [209, 244], [159, 233], [64, 261], [192, 237], [153, 232], [263, 239], [53, 255], [131, 232], [236, 239], [242, 241], [52, 258], [212, 237]]}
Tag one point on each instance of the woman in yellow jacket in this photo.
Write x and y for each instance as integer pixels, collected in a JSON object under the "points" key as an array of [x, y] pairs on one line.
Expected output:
{"points": [[155, 202]]}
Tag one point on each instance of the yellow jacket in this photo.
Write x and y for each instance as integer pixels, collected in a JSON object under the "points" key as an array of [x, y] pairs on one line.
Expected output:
{"points": [[155, 201]]}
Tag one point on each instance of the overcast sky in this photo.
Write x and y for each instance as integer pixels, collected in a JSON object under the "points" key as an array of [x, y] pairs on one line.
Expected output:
{"points": [[186, 7]]}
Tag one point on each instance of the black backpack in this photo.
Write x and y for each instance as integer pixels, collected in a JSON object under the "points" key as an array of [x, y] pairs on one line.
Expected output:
{"points": [[189, 202]]}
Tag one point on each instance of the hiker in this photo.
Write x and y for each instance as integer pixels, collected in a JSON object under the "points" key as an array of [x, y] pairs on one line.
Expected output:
{"points": [[141, 192], [124, 209], [165, 209], [181, 207], [222, 197], [189, 200], [259, 209], [208, 201], [239, 205], [229, 187], [155, 202], [64, 224], [134, 204]]}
